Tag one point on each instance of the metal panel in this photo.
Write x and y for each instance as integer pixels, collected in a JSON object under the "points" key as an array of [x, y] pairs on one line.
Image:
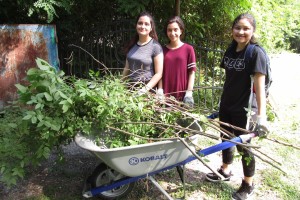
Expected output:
{"points": [[20, 45]]}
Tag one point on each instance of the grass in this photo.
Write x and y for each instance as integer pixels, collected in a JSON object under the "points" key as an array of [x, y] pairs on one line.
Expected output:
{"points": [[275, 181], [216, 191]]}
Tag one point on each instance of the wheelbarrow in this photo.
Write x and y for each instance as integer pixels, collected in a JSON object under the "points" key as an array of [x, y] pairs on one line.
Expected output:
{"points": [[121, 167]]}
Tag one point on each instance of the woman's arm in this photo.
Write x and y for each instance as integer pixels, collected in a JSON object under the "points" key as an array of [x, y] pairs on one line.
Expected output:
{"points": [[188, 97], [125, 70], [259, 85], [261, 118], [191, 71], [191, 81], [160, 84], [158, 68]]}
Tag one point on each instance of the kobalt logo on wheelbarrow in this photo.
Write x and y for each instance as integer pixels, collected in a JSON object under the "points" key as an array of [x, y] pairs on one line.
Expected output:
{"points": [[135, 160]]}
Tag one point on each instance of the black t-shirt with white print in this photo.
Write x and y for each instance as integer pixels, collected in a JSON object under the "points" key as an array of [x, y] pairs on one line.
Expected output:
{"points": [[237, 86]]}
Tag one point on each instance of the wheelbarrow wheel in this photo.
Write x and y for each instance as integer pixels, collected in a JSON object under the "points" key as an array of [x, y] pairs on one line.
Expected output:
{"points": [[104, 175]]}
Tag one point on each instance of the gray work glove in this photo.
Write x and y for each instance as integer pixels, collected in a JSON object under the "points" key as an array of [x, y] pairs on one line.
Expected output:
{"points": [[261, 127], [188, 98], [160, 95], [142, 91]]}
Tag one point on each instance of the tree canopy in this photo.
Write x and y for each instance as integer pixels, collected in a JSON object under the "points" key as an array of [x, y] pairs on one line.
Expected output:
{"points": [[278, 20]]}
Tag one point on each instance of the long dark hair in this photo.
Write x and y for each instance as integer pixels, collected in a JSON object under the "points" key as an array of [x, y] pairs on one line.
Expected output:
{"points": [[251, 20], [152, 33], [178, 20]]}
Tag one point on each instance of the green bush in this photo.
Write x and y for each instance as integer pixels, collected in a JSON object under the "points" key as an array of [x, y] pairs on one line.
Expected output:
{"points": [[52, 108]]}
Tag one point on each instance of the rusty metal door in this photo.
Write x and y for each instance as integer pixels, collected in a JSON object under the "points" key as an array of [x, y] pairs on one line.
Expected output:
{"points": [[20, 45]]}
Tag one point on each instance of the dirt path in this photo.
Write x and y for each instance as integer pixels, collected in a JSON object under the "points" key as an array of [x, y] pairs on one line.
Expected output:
{"points": [[285, 87]]}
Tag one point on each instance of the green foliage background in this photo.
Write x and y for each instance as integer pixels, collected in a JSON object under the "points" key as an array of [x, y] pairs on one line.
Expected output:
{"points": [[278, 20]]}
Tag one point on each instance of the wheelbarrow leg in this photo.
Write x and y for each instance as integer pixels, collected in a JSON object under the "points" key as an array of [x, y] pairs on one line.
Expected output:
{"points": [[159, 187], [181, 172], [87, 187]]}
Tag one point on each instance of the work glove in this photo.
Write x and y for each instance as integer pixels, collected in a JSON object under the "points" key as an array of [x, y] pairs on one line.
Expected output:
{"points": [[160, 94], [188, 98], [142, 91], [261, 127]]}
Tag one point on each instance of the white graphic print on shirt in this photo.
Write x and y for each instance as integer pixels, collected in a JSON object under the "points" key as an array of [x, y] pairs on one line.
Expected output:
{"points": [[238, 64]]}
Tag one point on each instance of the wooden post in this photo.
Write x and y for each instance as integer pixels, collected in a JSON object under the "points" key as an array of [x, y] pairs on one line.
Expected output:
{"points": [[177, 7]]}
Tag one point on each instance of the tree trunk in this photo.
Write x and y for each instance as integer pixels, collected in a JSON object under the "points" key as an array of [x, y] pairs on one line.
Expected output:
{"points": [[177, 7]]}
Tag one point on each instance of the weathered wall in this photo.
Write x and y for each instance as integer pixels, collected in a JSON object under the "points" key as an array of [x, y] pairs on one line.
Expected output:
{"points": [[20, 45]]}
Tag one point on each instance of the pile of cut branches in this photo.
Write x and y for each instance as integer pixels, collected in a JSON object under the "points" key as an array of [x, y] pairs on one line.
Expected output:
{"points": [[52, 108]]}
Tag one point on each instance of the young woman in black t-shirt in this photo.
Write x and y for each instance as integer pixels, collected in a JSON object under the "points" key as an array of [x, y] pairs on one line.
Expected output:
{"points": [[235, 98]]}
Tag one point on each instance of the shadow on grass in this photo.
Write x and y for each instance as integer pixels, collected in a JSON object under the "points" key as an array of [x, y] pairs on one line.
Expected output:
{"points": [[196, 187]]}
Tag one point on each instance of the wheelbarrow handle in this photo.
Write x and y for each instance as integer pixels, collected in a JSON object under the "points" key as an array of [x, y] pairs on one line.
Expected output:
{"points": [[226, 144], [214, 115]]}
